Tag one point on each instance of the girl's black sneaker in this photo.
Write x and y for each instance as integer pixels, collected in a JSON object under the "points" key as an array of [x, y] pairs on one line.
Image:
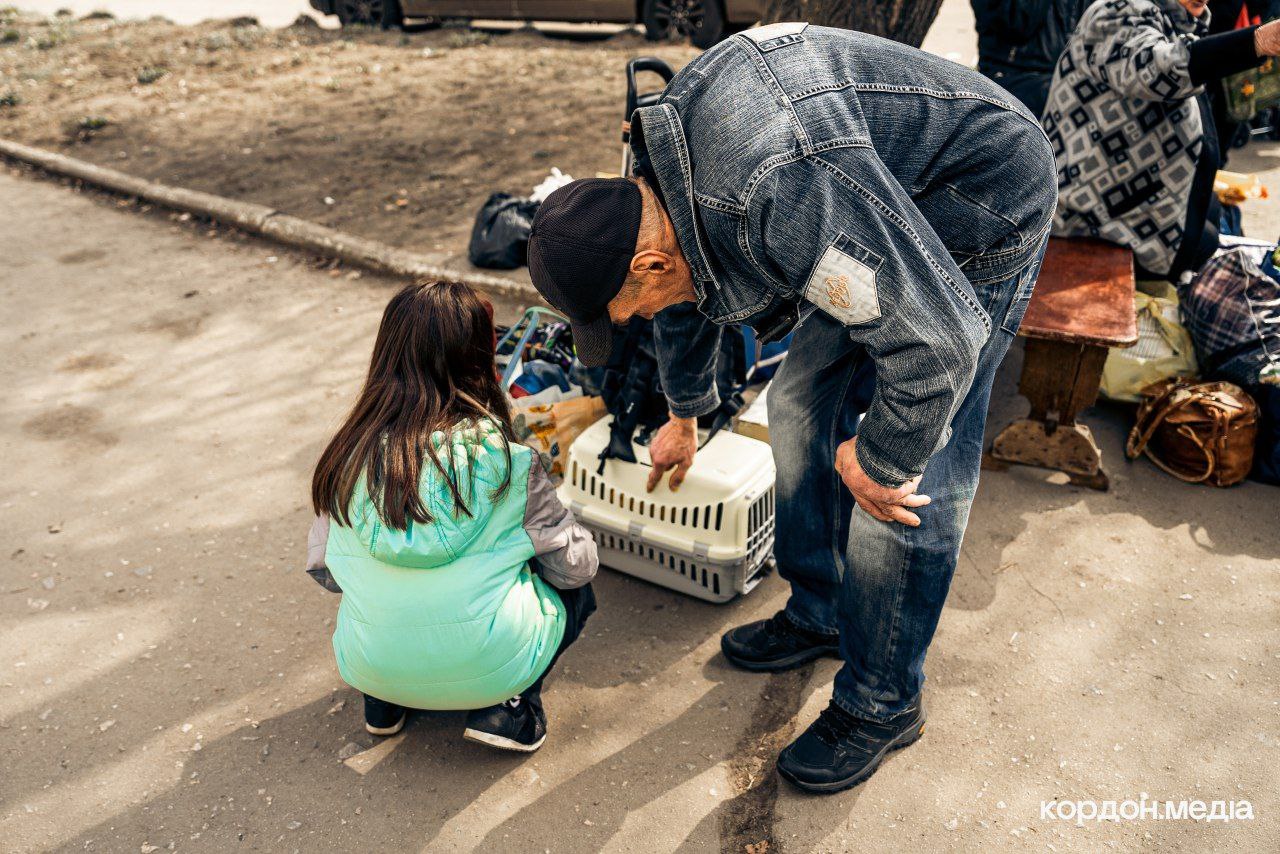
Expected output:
{"points": [[515, 724], [381, 717]]}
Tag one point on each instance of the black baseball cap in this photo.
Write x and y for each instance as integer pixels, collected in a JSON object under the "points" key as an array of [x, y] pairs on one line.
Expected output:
{"points": [[580, 248]]}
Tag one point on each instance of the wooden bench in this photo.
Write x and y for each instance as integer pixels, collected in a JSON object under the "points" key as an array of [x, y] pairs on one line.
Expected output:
{"points": [[1082, 305]]}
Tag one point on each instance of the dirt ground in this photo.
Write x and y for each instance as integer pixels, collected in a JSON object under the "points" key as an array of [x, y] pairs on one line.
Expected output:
{"points": [[398, 137], [395, 136]]}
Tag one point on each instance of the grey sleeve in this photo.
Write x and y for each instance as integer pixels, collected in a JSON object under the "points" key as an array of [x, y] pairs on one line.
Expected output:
{"points": [[565, 552], [317, 542]]}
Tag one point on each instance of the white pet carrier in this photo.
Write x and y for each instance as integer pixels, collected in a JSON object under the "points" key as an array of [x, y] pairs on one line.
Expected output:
{"points": [[713, 538]]}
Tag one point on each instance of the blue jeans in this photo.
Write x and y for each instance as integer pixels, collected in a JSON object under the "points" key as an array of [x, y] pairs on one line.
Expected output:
{"points": [[880, 585]]}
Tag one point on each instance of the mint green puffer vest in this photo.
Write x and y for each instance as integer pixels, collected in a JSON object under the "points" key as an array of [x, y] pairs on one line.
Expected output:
{"points": [[448, 615]]}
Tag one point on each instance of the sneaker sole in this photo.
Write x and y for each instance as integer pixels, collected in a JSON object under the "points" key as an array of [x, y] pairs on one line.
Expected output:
{"points": [[905, 740], [501, 742], [790, 662], [386, 730]]}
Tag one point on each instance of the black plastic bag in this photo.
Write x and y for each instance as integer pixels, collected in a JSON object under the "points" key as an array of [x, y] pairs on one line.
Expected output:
{"points": [[500, 237]]}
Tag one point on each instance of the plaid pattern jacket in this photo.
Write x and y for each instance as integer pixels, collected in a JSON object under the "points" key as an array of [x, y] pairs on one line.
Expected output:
{"points": [[1232, 310]]}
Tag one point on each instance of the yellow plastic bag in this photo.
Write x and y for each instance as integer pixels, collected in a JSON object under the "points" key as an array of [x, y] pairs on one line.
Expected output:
{"points": [[1164, 349], [550, 428]]}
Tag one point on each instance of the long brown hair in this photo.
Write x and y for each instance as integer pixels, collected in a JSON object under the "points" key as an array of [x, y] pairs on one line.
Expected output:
{"points": [[432, 370]]}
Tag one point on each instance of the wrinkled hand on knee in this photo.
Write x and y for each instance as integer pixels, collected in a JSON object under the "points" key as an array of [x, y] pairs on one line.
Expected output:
{"points": [[885, 503]]}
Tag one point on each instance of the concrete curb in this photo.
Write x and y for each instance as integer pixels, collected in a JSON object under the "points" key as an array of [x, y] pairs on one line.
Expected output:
{"points": [[266, 222]]}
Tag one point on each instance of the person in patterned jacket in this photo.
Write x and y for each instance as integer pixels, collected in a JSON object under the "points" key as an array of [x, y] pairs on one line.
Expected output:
{"points": [[1132, 130]]}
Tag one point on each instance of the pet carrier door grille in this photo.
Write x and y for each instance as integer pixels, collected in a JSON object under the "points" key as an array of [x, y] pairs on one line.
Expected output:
{"points": [[712, 539]]}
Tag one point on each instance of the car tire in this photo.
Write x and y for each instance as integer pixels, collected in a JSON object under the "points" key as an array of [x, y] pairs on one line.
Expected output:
{"points": [[367, 13], [392, 15], [423, 25], [701, 21]]}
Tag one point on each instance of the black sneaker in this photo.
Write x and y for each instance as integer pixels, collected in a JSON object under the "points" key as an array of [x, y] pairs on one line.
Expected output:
{"points": [[839, 750], [775, 644], [381, 717], [512, 725]]}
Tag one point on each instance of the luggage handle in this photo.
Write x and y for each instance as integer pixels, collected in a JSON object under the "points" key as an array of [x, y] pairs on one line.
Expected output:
{"points": [[528, 322], [634, 67]]}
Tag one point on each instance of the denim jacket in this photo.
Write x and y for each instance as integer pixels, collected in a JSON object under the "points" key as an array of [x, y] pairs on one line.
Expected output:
{"points": [[856, 176]]}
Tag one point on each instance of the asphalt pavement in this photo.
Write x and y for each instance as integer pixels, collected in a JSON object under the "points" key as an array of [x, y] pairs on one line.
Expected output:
{"points": [[166, 679]]}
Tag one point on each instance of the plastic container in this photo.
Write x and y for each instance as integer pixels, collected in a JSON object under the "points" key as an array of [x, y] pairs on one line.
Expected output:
{"points": [[712, 539], [1234, 188]]}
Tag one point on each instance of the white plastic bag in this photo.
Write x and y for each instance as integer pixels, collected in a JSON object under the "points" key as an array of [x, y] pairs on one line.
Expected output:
{"points": [[549, 185]]}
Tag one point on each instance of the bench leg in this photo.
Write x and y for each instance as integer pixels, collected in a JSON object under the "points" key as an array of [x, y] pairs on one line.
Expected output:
{"points": [[1060, 380]]}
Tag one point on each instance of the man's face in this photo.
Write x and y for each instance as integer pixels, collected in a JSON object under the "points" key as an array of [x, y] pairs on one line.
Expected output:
{"points": [[657, 281], [1195, 7], [658, 276], [627, 304], [639, 299]]}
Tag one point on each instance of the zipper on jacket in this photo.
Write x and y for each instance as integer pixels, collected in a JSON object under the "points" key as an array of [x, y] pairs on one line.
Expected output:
{"points": [[373, 540]]}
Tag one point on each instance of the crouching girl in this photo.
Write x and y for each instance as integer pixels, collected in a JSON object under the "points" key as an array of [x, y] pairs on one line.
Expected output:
{"points": [[463, 578]]}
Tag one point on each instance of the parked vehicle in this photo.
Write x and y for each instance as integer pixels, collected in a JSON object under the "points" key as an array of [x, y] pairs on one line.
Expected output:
{"points": [[704, 22]]}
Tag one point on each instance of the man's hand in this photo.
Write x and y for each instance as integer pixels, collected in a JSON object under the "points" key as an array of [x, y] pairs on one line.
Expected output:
{"points": [[1266, 39], [882, 502], [673, 447]]}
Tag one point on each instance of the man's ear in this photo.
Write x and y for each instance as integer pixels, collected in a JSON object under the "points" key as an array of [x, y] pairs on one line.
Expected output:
{"points": [[650, 262]]}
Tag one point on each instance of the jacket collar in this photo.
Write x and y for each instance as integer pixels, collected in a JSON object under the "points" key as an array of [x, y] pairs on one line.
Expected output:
{"points": [[657, 133]]}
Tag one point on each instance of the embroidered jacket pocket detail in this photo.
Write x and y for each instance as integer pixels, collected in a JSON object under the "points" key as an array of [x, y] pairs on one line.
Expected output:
{"points": [[843, 284]]}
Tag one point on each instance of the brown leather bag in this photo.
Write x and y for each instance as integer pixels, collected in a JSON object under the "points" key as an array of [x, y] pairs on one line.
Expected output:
{"points": [[1198, 432]]}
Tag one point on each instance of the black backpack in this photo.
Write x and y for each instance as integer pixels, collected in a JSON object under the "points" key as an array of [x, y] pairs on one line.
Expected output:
{"points": [[632, 388]]}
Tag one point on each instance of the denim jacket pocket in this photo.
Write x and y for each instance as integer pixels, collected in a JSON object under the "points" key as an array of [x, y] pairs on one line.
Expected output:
{"points": [[1018, 308], [998, 302], [843, 283]]}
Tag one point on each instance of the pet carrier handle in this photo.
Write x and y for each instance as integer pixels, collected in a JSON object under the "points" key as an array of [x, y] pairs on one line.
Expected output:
{"points": [[730, 407]]}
